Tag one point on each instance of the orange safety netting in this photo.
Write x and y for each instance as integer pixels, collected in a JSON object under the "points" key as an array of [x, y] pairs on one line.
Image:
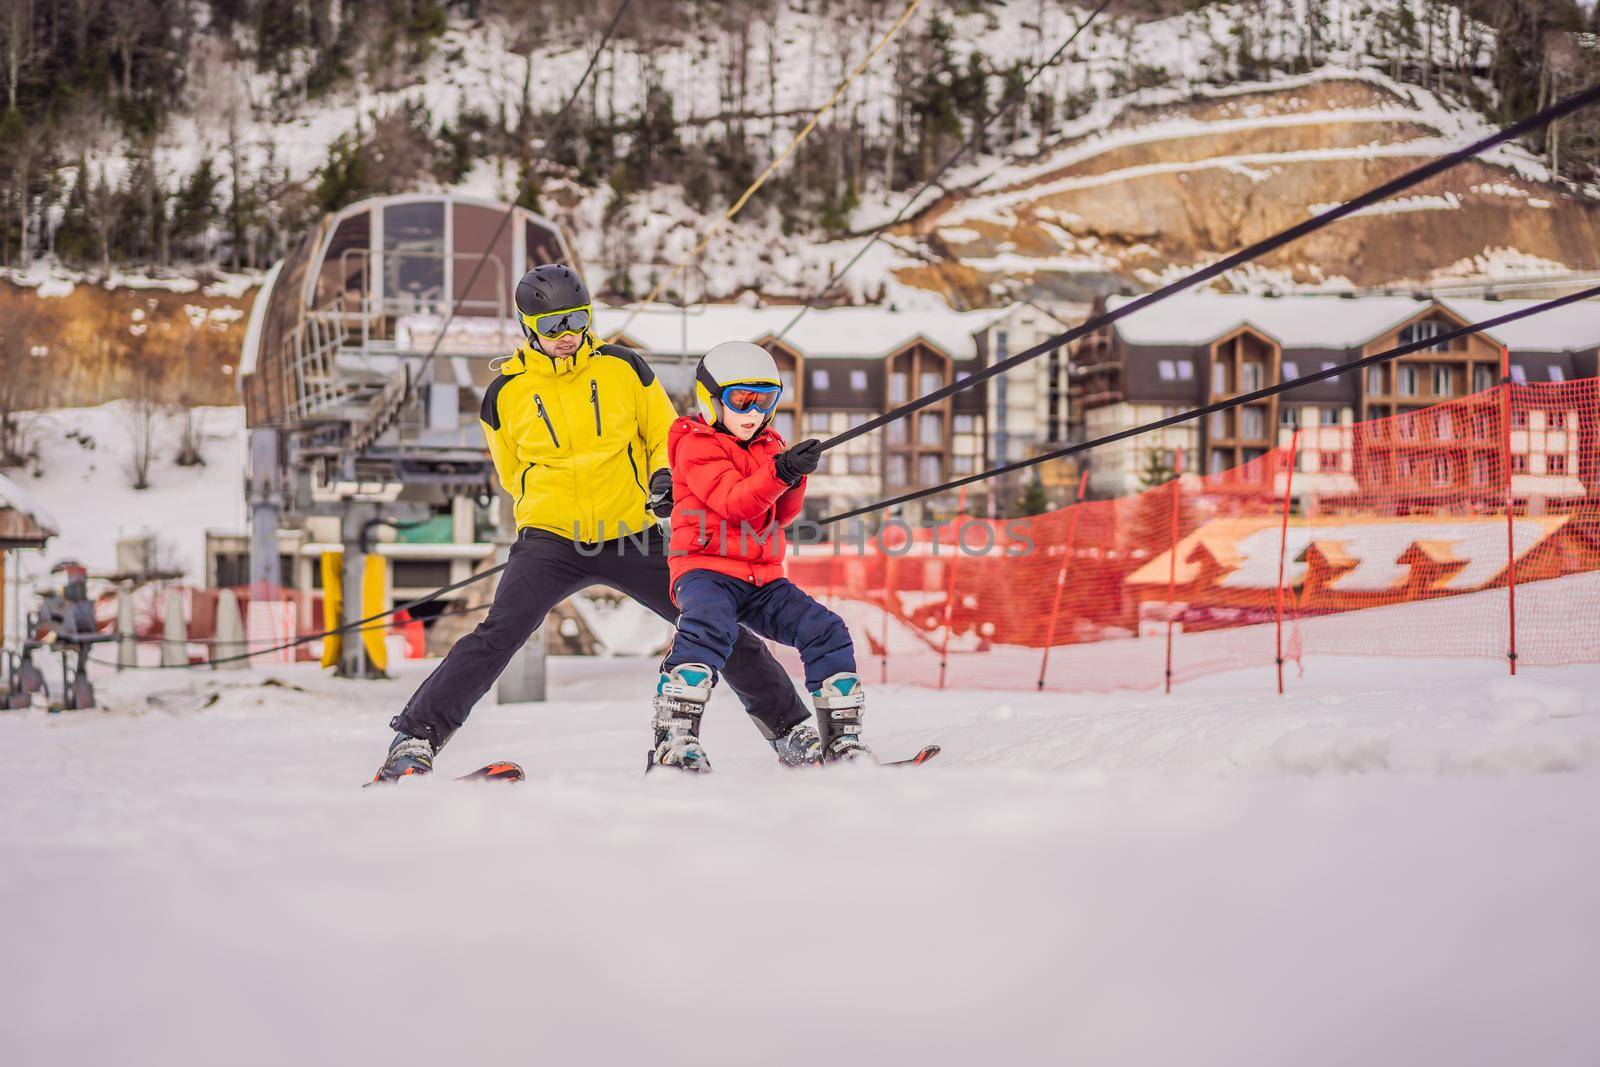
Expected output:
{"points": [[1466, 529]]}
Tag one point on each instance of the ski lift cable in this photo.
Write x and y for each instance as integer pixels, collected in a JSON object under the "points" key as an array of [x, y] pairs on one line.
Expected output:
{"points": [[778, 161], [1220, 405], [505, 219], [1411, 178], [934, 178]]}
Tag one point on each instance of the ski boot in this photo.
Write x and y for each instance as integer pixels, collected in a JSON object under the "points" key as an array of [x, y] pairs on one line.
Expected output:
{"points": [[839, 702], [407, 756], [681, 697], [800, 747]]}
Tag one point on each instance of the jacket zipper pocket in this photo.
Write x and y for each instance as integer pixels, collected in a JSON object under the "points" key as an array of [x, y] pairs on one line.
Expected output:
{"points": [[635, 467], [538, 403], [522, 483], [594, 398]]}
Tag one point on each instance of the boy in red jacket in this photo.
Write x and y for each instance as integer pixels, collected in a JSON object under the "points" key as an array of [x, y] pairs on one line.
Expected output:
{"points": [[735, 487]]}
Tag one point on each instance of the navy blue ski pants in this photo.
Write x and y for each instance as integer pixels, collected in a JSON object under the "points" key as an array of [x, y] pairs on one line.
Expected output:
{"points": [[713, 606]]}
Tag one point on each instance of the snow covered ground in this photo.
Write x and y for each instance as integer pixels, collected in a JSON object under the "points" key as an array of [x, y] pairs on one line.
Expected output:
{"points": [[1395, 865]]}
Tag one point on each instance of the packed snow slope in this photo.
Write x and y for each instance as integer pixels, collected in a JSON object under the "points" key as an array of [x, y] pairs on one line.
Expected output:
{"points": [[1395, 864]]}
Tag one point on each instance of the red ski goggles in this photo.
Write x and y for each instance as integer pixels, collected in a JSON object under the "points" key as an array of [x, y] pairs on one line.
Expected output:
{"points": [[746, 398]]}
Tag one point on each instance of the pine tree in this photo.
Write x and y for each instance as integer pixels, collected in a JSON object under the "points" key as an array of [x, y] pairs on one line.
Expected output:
{"points": [[1157, 471]]}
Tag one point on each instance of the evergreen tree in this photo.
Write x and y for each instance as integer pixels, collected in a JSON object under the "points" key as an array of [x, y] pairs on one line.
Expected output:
{"points": [[1157, 470]]}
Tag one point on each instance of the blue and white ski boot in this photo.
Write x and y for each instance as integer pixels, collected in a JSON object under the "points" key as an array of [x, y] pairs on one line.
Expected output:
{"points": [[840, 702], [680, 700]]}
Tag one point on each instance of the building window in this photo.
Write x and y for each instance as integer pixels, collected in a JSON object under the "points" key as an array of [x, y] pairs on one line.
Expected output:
{"points": [[1329, 364], [1445, 428], [860, 463], [1555, 420], [1291, 369], [1519, 463], [1519, 419], [1252, 423], [1557, 374], [1168, 370], [856, 418], [1422, 331], [1218, 462], [897, 387], [1408, 381], [1519, 374], [858, 381], [930, 429], [1402, 466], [786, 379], [930, 470], [783, 422], [1330, 417], [817, 423], [1441, 470], [1375, 381], [1219, 378], [1482, 378], [1556, 463], [962, 464], [1219, 424], [1406, 428], [1330, 461], [1288, 418], [1480, 471], [1255, 376], [899, 471], [1186, 370], [966, 424], [1443, 381], [929, 381], [819, 378], [897, 432]]}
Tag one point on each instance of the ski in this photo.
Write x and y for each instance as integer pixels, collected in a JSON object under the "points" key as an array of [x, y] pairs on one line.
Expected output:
{"points": [[498, 771], [927, 753]]}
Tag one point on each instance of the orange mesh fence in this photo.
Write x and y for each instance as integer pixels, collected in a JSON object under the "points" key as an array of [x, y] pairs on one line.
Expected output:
{"points": [[1464, 529]]}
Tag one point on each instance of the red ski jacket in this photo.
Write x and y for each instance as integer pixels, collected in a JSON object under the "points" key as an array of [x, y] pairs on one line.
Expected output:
{"points": [[729, 505]]}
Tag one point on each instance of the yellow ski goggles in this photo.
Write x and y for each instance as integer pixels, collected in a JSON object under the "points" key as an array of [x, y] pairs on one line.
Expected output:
{"points": [[559, 323]]}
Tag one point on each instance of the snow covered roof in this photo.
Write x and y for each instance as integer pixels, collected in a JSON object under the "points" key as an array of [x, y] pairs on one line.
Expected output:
{"points": [[1564, 329], [1380, 549], [14, 498], [831, 333], [1328, 321]]}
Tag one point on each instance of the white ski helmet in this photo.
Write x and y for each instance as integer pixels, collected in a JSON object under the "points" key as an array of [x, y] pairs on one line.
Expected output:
{"points": [[731, 363]]}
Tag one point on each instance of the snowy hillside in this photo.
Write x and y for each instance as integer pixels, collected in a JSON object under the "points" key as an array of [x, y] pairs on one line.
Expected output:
{"points": [[85, 457], [1394, 866], [690, 101]]}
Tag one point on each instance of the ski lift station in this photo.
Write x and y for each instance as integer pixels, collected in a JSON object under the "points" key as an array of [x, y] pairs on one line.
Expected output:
{"points": [[352, 427]]}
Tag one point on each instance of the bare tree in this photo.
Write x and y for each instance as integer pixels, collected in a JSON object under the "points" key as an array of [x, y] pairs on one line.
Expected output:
{"points": [[17, 26]]}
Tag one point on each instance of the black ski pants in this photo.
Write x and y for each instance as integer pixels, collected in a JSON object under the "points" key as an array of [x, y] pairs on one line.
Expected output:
{"points": [[545, 569]]}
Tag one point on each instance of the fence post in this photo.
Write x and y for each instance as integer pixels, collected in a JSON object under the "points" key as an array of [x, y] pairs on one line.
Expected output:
{"points": [[1283, 546], [950, 585], [1172, 563], [1511, 540], [1061, 575], [888, 593]]}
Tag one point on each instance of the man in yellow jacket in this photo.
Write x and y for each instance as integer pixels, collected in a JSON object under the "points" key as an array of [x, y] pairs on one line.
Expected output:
{"points": [[578, 434]]}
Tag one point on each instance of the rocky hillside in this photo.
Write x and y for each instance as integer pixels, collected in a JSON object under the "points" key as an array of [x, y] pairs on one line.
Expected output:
{"points": [[1163, 187]]}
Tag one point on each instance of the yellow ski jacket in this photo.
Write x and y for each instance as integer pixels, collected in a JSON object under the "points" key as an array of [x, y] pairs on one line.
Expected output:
{"points": [[575, 441]]}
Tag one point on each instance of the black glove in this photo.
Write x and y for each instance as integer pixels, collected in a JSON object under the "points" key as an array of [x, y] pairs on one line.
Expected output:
{"points": [[660, 502], [799, 461]]}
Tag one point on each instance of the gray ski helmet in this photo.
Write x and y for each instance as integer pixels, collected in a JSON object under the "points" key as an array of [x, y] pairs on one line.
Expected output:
{"points": [[546, 288], [731, 363]]}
